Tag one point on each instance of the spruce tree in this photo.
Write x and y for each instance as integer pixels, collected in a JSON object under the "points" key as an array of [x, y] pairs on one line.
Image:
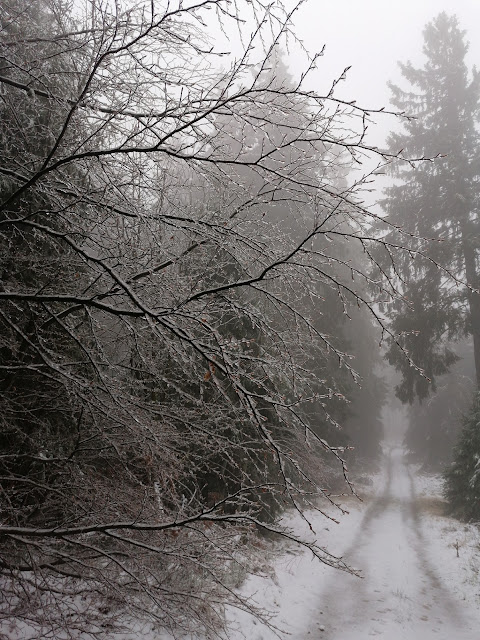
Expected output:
{"points": [[436, 200], [437, 203], [462, 479]]}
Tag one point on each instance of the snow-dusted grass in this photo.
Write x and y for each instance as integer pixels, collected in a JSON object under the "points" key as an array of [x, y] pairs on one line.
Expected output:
{"points": [[460, 570]]}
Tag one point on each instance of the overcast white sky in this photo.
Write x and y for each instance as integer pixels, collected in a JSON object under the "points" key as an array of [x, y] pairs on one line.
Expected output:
{"points": [[373, 35]]}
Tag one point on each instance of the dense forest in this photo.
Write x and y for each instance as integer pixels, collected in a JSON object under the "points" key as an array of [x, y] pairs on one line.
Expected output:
{"points": [[193, 295]]}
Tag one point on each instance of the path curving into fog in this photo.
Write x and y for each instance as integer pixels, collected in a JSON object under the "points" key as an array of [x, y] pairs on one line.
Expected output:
{"points": [[401, 596]]}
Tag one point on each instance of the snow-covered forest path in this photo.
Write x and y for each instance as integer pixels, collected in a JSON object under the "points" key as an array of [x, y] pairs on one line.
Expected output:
{"points": [[403, 595]]}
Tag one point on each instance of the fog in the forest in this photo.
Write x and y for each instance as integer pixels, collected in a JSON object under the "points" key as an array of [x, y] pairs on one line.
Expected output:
{"points": [[371, 38], [239, 319]]}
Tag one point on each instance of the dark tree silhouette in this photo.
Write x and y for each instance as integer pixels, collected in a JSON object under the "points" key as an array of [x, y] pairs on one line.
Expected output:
{"points": [[436, 200]]}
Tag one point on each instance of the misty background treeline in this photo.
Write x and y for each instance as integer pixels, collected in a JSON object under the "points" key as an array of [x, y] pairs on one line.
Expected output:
{"points": [[193, 297]]}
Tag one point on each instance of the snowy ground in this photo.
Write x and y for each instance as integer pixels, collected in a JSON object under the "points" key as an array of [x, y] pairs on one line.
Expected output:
{"points": [[414, 585], [421, 571]]}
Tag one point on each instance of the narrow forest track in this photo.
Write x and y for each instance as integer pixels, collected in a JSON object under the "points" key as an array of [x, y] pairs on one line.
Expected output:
{"points": [[401, 596]]}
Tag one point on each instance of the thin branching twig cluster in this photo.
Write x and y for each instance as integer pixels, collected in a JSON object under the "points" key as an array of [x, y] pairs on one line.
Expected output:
{"points": [[170, 217]]}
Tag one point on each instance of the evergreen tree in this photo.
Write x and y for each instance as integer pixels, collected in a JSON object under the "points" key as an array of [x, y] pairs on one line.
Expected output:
{"points": [[462, 479], [434, 424], [364, 424], [437, 201]]}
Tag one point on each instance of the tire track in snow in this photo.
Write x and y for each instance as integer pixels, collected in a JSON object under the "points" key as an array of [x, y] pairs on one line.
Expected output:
{"points": [[401, 596]]}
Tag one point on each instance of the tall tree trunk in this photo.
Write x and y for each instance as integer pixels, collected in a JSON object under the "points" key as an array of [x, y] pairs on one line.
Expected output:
{"points": [[468, 245]]}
